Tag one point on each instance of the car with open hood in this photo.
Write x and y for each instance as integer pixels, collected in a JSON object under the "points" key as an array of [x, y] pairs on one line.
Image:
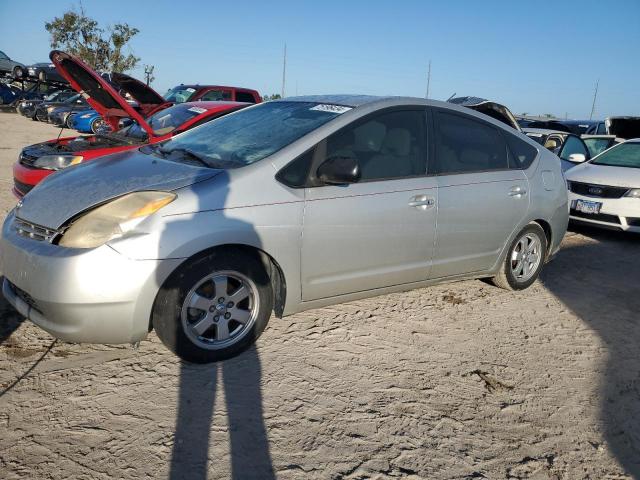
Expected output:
{"points": [[625, 127], [605, 192], [492, 109], [280, 207], [38, 161]]}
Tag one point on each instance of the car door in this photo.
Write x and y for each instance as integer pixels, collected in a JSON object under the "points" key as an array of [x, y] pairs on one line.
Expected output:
{"points": [[573, 152], [480, 199], [379, 231]]}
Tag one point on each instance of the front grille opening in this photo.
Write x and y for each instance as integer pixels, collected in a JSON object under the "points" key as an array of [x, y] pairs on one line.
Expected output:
{"points": [[597, 191], [33, 231], [600, 217], [25, 297]]}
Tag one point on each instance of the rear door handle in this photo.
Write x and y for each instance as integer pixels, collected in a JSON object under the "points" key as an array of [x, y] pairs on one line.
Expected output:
{"points": [[517, 192], [422, 202]]}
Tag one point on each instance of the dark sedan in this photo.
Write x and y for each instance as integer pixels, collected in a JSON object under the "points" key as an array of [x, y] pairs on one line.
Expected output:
{"points": [[43, 71], [27, 106], [43, 110]]}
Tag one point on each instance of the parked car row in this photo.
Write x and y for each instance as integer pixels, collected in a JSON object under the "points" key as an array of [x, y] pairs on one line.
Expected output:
{"points": [[204, 218]]}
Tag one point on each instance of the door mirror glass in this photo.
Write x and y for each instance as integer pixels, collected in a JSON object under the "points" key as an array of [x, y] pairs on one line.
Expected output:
{"points": [[577, 157], [339, 170]]}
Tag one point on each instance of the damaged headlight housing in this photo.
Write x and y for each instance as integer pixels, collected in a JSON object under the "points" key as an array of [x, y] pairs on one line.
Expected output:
{"points": [[114, 219], [57, 162]]}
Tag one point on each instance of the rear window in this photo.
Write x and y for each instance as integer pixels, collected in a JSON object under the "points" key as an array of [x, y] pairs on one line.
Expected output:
{"points": [[522, 154], [245, 97]]}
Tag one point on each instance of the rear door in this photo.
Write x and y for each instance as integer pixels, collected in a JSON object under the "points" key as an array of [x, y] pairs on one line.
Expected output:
{"points": [[379, 231], [480, 199]]}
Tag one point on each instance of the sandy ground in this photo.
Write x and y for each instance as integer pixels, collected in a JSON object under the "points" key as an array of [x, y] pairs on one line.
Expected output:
{"points": [[459, 381]]}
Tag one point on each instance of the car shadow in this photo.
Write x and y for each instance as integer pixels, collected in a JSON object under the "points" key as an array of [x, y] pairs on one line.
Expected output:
{"points": [[600, 282], [11, 320], [192, 454]]}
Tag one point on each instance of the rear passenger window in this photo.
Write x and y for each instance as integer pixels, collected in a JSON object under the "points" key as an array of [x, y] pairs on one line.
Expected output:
{"points": [[388, 145], [467, 145], [245, 97], [522, 154], [216, 95]]}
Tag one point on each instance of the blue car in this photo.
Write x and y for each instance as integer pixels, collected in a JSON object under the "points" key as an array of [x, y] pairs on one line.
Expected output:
{"points": [[7, 94], [87, 121]]}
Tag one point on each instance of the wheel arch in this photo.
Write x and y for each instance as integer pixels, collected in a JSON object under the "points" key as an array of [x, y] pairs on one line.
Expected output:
{"points": [[546, 226], [272, 267]]}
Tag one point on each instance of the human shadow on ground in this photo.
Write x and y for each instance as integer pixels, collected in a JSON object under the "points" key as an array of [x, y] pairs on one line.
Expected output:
{"points": [[600, 282], [10, 320]]}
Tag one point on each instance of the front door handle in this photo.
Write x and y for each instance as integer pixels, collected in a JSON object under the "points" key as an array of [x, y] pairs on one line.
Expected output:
{"points": [[517, 192], [422, 202]]}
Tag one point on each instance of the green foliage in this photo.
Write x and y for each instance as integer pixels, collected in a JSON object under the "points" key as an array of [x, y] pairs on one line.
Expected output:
{"points": [[274, 96], [101, 48]]}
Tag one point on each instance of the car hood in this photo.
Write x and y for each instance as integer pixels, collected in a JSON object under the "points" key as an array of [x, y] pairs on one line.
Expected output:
{"points": [[69, 192], [623, 127], [603, 175], [102, 95], [494, 110]]}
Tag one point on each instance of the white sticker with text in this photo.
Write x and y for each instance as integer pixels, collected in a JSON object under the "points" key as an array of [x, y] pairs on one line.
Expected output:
{"points": [[325, 107], [197, 110]]}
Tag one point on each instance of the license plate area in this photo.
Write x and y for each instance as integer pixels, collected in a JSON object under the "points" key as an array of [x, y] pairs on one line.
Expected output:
{"points": [[586, 206]]}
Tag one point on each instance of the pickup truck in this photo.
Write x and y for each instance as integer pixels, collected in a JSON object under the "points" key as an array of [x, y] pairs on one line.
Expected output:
{"points": [[193, 93]]}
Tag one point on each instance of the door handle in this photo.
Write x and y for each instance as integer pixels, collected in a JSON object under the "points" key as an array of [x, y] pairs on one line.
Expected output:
{"points": [[517, 192], [422, 202]]}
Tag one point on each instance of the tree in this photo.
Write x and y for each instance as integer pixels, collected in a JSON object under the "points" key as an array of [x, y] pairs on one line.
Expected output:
{"points": [[274, 96], [99, 47]]}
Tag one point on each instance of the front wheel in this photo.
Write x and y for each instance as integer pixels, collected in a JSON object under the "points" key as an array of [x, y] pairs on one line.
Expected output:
{"points": [[213, 307], [524, 259]]}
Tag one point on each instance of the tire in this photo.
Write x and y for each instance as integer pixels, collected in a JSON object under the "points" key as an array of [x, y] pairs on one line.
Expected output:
{"points": [[518, 273], [195, 295], [95, 124], [67, 122]]}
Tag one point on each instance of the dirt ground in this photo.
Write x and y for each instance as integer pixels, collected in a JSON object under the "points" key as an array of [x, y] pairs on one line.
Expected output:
{"points": [[458, 381]]}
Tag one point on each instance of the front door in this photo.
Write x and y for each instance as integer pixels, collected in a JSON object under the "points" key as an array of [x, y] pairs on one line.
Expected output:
{"points": [[379, 231]]}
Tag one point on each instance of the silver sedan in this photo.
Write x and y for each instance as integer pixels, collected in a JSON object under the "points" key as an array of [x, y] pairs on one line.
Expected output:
{"points": [[281, 207]]}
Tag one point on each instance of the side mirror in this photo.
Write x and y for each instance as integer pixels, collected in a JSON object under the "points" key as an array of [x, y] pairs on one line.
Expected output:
{"points": [[124, 122], [577, 157], [339, 170]]}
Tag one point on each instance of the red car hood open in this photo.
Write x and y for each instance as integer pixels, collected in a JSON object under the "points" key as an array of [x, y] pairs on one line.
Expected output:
{"points": [[102, 95]]}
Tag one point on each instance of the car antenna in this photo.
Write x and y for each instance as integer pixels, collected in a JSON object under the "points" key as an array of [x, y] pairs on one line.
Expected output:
{"points": [[453, 95]]}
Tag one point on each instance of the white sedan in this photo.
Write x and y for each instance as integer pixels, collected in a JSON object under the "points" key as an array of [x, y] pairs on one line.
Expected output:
{"points": [[605, 191]]}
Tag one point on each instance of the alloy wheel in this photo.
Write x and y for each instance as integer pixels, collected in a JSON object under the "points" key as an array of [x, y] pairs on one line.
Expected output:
{"points": [[526, 257], [219, 310]]}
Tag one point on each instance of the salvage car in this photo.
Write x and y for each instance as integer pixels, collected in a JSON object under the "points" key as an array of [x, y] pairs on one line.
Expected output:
{"points": [[88, 121], [213, 93], [605, 192], [282, 206], [43, 71], [43, 109], [569, 147], [28, 107], [488, 107], [7, 65], [38, 161]]}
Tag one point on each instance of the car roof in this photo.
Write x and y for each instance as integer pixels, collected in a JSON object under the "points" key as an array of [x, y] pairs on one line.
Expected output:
{"points": [[214, 105], [545, 131], [197, 86]]}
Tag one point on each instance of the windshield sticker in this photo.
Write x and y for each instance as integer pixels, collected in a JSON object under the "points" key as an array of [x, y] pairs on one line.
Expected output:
{"points": [[191, 90], [324, 107], [197, 110]]}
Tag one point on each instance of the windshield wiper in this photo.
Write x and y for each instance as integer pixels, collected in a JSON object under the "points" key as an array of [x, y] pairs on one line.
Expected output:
{"points": [[185, 152]]}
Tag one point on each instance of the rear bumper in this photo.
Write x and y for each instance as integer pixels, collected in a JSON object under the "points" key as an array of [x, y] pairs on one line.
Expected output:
{"points": [[93, 295]]}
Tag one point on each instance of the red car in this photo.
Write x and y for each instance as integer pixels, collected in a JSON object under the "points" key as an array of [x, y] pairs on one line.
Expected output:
{"points": [[162, 122]]}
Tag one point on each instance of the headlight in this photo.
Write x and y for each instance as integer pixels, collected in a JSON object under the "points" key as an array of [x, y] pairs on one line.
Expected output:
{"points": [[633, 193], [50, 109], [57, 162], [114, 219]]}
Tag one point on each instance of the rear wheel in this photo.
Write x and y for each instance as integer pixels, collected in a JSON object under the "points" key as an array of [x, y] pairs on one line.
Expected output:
{"points": [[96, 124], [213, 307], [524, 259]]}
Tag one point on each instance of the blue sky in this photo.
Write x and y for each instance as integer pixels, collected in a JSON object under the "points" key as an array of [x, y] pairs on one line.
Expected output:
{"points": [[537, 57]]}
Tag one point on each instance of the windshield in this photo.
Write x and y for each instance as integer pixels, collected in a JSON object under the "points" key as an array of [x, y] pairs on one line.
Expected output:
{"points": [[623, 155], [179, 94], [596, 145], [251, 134], [165, 121]]}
